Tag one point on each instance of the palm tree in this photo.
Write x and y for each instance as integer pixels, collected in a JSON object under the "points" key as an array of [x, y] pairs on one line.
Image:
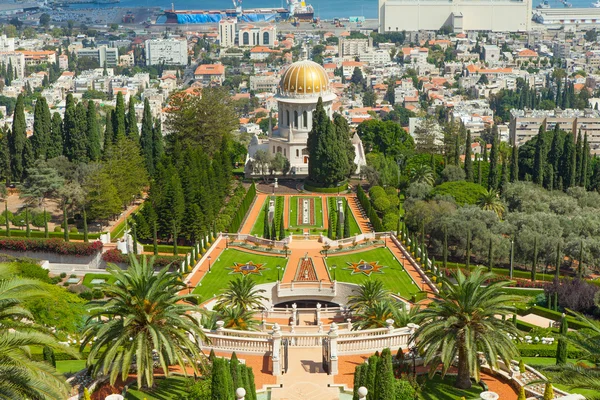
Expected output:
{"points": [[575, 375], [144, 317], [376, 315], [369, 293], [489, 200], [422, 173], [464, 319], [20, 376], [237, 318], [241, 292]]}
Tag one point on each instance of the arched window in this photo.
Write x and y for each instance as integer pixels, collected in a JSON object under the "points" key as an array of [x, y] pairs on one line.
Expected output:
{"points": [[266, 38], [246, 38], [295, 119], [287, 117], [273, 149], [279, 149], [284, 153], [305, 119], [297, 153]]}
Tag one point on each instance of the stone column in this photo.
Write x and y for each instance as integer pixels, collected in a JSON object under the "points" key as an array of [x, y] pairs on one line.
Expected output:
{"points": [[349, 321], [333, 335], [318, 312], [276, 339], [294, 316]]}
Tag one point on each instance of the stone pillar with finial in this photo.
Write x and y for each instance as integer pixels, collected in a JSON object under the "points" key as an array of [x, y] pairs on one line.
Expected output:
{"points": [[362, 393], [333, 362], [276, 338], [240, 393]]}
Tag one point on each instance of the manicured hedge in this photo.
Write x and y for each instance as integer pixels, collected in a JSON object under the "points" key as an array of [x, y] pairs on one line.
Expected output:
{"points": [[116, 257], [58, 356], [58, 246], [545, 350], [165, 248], [41, 235], [418, 297], [338, 189], [370, 211], [242, 209], [556, 316]]}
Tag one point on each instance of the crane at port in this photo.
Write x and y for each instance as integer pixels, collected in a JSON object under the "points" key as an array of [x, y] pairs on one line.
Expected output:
{"points": [[237, 4]]}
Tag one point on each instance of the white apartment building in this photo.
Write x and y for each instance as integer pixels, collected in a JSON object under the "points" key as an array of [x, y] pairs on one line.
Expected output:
{"points": [[17, 60], [257, 36], [375, 57], [106, 56], [355, 47], [227, 28], [264, 83], [167, 51], [6, 43]]}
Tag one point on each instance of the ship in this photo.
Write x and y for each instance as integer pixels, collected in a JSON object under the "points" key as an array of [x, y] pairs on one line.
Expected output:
{"points": [[544, 5], [298, 10], [596, 4]]}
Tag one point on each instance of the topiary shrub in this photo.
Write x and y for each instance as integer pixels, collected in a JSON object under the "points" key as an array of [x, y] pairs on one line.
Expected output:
{"points": [[57, 229], [73, 230], [522, 367], [548, 391], [63, 274], [522, 394]]}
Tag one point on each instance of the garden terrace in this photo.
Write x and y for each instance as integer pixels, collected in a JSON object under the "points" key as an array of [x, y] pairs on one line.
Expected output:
{"points": [[298, 217]]}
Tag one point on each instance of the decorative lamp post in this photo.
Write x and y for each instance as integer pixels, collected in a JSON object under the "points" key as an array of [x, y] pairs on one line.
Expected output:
{"points": [[333, 267], [278, 269], [512, 254], [209, 258]]}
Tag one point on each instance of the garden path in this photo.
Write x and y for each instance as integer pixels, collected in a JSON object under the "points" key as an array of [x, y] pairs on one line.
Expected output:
{"points": [[254, 213]]}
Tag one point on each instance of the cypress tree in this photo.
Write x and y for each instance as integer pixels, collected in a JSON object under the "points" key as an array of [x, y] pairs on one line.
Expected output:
{"points": [[7, 219], [108, 134], [555, 152], [65, 223], [535, 259], [146, 138], [479, 172], [514, 164], [372, 375], [347, 222], [504, 178], [93, 132], [46, 233], [561, 346], [468, 252], [266, 230], [17, 140], [233, 369], [339, 229], [27, 227], [493, 174], [251, 384], [79, 139], [49, 356], [85, 226], [155, 239], [491, 255], [69, 126], [573, 166], [175, 233], [558, 262], [468, 161], [585, 157], [567, 164], [385, 381], [28, 157], [357, 380], [42, 128], [56, 142], [273, 229], [281, 228], [580, 264], [132, 128], [119, 126], [539, 158], [457, 145], [578, 158], [330, 228], [157, 142]]}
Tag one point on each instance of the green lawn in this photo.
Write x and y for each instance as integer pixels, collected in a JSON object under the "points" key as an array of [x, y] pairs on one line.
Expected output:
{"points": [[166, 389], [259, 224], [394, 276], [517, 274], [87, 279], [70, 366], [220, 275], [318, 211], [437, 388]]}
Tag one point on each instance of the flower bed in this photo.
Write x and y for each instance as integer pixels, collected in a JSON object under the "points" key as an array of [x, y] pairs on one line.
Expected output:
{"points": [[57, 246], [116, 257]]}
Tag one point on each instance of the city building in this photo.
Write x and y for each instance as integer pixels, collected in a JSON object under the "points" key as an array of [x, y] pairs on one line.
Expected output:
{"points": [[264, 83], [166, 51], [491, 53], [257, 36], [301, 86], [525, 124], [354, 47], [38, 57], [6, 43], [16, 59], [227, 29], [63, 61], [210, 74], [459, 15], [106, 56]]}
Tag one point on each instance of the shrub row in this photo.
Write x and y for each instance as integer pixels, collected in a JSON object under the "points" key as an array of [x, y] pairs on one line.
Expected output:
{"points": [[116, 257], [556, 316], [242, 209], [41, 235], [546, 350], [370, 211], [57, 246], [338, 189], [58, 356]]}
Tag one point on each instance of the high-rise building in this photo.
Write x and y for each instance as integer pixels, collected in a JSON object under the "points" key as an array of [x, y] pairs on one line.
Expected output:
{"points": [[166, 51], [106, 56], [6, 43], [458, 15], [227, 28]]}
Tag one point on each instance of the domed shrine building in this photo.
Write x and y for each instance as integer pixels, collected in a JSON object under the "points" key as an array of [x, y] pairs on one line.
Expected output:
{"points": [[297, 94]]}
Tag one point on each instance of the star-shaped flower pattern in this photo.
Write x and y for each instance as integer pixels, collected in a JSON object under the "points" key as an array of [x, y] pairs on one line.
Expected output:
{"points": [[367, 268], [247, 268]]}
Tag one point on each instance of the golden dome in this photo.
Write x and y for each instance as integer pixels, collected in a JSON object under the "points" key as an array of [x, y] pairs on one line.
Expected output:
{"points": [[304, 78]]}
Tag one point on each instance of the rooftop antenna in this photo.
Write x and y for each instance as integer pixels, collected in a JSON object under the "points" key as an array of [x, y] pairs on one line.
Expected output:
{"points": [[172, 6]]}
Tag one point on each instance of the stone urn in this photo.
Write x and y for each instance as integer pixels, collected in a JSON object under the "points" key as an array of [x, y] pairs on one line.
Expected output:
{"points": [[489, 395]]}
